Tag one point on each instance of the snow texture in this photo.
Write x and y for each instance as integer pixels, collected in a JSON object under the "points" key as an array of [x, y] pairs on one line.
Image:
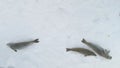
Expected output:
{"points": [[59, 24]]}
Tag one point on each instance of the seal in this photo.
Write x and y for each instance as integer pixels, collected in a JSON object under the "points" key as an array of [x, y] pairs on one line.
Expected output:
{"points": [[98, 49], [21, 45], [83, 51]]}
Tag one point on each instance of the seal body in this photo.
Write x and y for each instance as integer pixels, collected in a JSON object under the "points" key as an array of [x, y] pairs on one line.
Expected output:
{"points": [[83, 51], [21, 45], [98, 49]]}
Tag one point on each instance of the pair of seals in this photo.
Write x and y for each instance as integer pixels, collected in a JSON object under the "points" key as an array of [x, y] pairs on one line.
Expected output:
{"points": [[20, 45], [98, 49]]}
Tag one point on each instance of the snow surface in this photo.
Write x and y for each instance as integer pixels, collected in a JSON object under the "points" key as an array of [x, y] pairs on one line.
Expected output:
{"points": [[59, 24]]}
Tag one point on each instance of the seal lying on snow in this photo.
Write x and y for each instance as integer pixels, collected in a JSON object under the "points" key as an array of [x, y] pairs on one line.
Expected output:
{"points": [[83, 51], [20, 45], [99, 50]]}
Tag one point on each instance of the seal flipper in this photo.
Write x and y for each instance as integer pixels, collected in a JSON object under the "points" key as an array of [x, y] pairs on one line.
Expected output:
{"points": [[36, 41], [15, 50], [68, 49], [107, 51], [83, 40], [85, 55]]}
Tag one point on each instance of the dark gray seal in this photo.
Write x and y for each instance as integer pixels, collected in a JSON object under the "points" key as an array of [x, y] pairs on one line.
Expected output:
{"points": [[98, 49], [83, 51], [21, 45]]}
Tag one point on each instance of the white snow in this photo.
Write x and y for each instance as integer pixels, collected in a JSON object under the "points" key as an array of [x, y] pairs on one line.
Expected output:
{"points": [[59, 24]]}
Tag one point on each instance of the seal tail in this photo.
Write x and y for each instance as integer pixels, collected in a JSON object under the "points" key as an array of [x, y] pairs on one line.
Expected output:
{"points": [[83, 40], [36, 41], [68, 49]]}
